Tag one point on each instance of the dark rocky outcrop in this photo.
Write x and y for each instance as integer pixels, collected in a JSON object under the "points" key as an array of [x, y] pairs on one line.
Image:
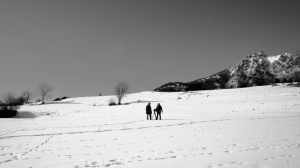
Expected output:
{"points": [[254, 70]]}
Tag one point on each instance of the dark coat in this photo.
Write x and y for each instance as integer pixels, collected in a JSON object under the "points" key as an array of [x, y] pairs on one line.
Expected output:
{"points": [[159, 108], [148, 109]]}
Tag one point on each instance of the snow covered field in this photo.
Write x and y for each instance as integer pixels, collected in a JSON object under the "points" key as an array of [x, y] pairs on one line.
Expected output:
{"points": [[235, 128]]}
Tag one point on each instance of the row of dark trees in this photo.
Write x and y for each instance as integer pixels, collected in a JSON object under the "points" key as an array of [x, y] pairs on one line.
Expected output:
{"points": [[10, 102]]}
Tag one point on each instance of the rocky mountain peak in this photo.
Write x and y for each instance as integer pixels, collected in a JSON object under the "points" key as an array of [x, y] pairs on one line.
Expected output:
{"points": [[286, 54], [254, 70], [262, 54]]}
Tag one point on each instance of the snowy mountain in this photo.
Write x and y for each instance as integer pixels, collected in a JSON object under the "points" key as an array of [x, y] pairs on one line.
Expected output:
{"points": [[254, 70]]}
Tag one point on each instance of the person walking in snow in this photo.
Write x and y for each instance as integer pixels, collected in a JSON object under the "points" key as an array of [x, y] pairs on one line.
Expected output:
{"points": [[158, 110], [148, 111]]}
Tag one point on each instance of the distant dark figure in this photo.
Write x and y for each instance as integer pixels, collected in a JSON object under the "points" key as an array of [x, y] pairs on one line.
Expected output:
{"points": [[154, 113], [158, 110], [148, 111]]}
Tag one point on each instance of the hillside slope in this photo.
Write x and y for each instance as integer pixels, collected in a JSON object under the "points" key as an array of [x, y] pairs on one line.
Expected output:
{"points": [[234, 128], [255, 70]]}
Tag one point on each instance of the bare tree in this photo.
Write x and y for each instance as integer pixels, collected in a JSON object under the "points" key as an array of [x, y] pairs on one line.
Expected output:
{"points": [[9, 98], [27, 95], [45, 90], [121, 90]]}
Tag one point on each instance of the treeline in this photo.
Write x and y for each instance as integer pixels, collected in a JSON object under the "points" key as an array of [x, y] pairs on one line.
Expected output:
{"points": [[10, 102]]}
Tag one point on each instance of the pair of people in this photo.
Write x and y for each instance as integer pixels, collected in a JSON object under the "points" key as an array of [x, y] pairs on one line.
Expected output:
{"points": [[157, 111]]}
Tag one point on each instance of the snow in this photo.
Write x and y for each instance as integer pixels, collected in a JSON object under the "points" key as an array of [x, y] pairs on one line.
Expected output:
{"points": [[271, 59], [236, 128]]}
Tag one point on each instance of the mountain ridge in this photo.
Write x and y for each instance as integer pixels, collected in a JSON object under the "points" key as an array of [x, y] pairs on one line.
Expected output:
{"points": [[254, 70]]}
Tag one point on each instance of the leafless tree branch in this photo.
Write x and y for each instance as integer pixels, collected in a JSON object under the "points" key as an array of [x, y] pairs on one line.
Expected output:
{"points": [[121, 90], [27, 95], [45, 90]]}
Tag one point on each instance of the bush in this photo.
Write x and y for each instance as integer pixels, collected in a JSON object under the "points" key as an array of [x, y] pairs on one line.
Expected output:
{"points": [[57, 99], [6, 112], [61, 98], [20, 101], [112, 102], [10, 105]]}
